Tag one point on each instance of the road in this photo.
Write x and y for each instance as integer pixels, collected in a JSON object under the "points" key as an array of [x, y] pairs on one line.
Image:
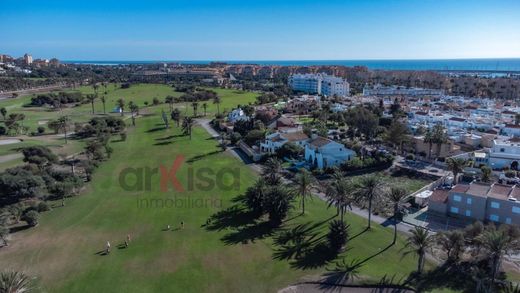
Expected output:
{"points": [[7, 95]]}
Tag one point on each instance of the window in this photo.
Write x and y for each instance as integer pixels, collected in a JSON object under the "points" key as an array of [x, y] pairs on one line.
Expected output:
{"points": [[502, 150], [468, 213], [516, 210], [457, 198], [508, 220], [493, 218], [469, 200], [495, 205], [454, 210]]}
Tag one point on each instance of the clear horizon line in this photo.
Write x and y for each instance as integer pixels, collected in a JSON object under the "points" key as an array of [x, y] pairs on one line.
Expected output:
{"points": [[277, 60]]}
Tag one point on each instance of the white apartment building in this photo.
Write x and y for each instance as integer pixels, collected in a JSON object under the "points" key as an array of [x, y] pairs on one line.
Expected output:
{"points": [[321, 84], [380, 90]]}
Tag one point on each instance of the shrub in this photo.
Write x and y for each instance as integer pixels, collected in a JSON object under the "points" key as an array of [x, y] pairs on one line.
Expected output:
{"points": [[123, 136], [43, 207], [410, 157], [156, 101], [3, 131], [235, 137], [41, 129], [338, 234], [31, 217]]}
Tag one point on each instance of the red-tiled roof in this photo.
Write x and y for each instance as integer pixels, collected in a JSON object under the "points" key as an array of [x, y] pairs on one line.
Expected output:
{"points": [[478, 189], [320, 141], [512, 126], [439, 195], [499, 191], [457, 119], [295, 136]]}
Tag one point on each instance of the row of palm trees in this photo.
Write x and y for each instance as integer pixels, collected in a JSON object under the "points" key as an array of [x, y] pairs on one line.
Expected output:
{"points": [[475, 244]]}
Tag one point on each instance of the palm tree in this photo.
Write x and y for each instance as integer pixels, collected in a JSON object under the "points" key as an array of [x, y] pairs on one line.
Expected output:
{"points": [[418, 242], [91, 99], [63, 123], [304, 183], [217, 101], [496, 244], [486, 174], [456, 166], [396, 196], [368, 189], [205, 107], [104, 100], [271, 171], [428, 138], [4, 233], [15, 282], [338, 234], [187, 125], [452, 243], [439, 137], [176, 116], [169, 100], [121, 105], [3, 111], [338, 194], [195, 106], [134, 110], [254, 196]]}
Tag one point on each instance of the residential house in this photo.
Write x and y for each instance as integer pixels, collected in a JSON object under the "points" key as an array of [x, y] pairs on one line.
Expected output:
{"points": [[275, 141], [322, 153]]}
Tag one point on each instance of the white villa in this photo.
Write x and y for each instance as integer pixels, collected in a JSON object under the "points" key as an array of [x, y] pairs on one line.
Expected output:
{"points": [[505, 153], [276, 140], [236, 115], [323, 152]]}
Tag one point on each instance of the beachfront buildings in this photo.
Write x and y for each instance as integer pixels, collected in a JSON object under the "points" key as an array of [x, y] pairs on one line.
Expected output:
{"points": [[478, 201], [321, 84]]}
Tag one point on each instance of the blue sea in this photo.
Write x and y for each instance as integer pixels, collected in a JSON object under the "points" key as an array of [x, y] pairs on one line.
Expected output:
{"points": [[492, 65]]}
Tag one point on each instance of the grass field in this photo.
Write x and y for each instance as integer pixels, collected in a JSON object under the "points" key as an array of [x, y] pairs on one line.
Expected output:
{"points": [[139, 94], [232, 256]]}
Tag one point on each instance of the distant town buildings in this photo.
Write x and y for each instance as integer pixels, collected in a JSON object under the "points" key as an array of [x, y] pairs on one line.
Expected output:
{"points": [[380, 90], [321, 84], [28, 59]]}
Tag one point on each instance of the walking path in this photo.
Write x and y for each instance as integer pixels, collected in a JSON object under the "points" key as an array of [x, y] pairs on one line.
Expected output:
{"points": [[10, 157]]}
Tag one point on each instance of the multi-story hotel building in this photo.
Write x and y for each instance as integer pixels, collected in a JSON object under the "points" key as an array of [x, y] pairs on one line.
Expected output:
{"points": [[321, 84]]}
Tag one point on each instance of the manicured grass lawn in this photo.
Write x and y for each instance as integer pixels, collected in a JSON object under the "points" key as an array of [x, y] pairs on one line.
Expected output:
{"points": [[63, 249]]}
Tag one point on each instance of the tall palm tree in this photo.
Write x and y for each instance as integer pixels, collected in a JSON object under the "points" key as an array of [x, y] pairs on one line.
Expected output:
{"points": [[205, 107], [496, 244], [63, 123], [169, 100], [368, 188], [187, 125], [338, 193], [176, 116], [15, 282], [91, 99], [418, 242], [195, 106], [456, 166], [271, 171], [134, 110], [304, 183], [104, 100], [121, 105], [428, 138], [396, 196], [217, 101]]}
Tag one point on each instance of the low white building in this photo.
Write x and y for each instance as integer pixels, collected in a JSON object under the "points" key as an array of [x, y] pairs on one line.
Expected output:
{"points": [[236, 115], [322, 153], [505, 153], [511, 130]]}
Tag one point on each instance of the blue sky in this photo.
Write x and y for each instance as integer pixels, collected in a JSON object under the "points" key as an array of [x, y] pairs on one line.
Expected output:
{"points": [[260, 30]]}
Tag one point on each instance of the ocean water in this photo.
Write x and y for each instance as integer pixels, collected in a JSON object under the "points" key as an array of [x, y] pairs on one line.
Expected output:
{"points": [[492, 65]]}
